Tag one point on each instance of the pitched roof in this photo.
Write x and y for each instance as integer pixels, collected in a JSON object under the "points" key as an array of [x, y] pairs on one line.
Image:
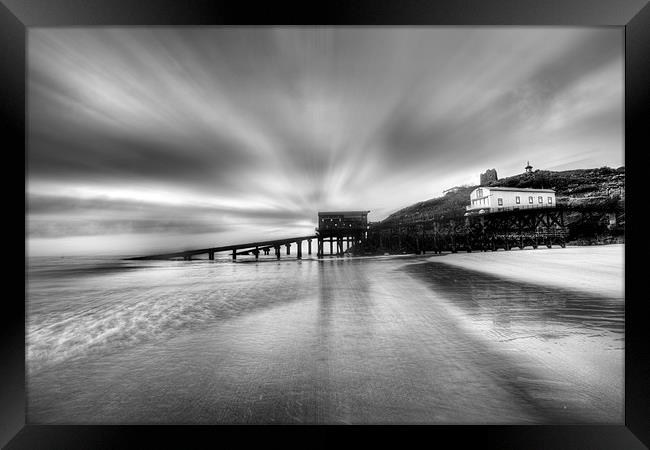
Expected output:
{"points": [[498, 188], [342, 213]]}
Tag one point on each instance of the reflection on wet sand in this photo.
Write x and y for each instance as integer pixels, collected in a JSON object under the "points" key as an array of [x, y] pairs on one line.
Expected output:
{"points": [[572, 340], [505, 301]]}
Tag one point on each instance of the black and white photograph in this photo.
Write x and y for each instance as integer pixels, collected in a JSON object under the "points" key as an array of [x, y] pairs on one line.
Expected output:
{"points": [[325, 225]]}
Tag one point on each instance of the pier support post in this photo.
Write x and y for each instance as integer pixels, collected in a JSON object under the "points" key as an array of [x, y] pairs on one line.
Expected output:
{"points": [[257, 253], [211, 256], [277, 251], [309, 246], [234, 255], [299, 244], [288, 249]]}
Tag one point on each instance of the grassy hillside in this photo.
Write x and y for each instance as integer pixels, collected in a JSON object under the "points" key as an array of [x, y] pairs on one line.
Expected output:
{"points": [[601, 187]]}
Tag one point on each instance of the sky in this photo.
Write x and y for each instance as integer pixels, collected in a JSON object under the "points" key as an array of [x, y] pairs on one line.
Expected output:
{"points": [[161, 139]]}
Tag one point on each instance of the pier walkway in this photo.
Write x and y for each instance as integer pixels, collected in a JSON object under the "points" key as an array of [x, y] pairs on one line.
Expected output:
{"points": [[254, 248], [350, 232]]}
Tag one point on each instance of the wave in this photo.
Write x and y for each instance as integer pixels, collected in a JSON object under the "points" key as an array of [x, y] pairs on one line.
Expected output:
{"points": [[111, 326], [68, 320]]}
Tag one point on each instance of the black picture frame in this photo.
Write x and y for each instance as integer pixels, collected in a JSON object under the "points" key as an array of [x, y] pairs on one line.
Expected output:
{"points": [[634, 15]]}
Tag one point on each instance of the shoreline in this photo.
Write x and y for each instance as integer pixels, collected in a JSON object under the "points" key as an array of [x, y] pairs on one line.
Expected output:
{"points": [[598, 270], [330, 341], [578, 358]]}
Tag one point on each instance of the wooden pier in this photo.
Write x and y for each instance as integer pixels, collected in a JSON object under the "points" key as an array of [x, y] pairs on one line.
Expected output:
{"points": [[251, 248], [501, 230], [350, 232]]}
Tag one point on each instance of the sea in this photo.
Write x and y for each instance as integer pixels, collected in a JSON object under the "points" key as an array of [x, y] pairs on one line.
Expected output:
{"points": [[386, 339]]}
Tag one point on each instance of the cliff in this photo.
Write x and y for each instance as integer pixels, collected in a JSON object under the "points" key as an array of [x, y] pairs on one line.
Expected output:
{"points": [[602, 187]]}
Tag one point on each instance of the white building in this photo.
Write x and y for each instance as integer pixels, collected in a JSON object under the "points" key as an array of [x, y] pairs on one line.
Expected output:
{"points": [[493, 199]]}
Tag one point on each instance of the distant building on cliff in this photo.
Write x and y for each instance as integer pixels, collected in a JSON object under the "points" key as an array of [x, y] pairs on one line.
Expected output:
{"points": [[528, 168], [489, 175], [453, 190]]}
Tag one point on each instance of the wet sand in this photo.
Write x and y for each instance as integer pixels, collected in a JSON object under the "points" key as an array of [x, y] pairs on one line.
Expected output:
{"points": [[566, 314], [378, 340], [595, 269]]}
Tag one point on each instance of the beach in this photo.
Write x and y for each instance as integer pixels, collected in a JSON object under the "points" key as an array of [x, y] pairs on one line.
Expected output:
{"points": [[597, 269], [581, 281], [410, 339]]}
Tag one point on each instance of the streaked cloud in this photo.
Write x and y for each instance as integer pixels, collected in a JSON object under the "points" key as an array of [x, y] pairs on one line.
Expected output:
{"points": [[210, 130]]}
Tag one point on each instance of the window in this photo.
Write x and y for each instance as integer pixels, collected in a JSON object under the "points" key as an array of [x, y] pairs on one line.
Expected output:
{"points": [[479, 192], [500, 201], [530, 199], [517, 199], [540, 200], [550, 200]]}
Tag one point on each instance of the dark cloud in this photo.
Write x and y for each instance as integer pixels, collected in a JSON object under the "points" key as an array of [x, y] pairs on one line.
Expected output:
{"points": [[46, 228], [56, 216], [50, 204], [410, 138], [123, 158]]}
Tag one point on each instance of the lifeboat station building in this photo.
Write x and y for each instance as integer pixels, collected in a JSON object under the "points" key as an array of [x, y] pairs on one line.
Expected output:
{"points": [[494, 199], [339, 228]]}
